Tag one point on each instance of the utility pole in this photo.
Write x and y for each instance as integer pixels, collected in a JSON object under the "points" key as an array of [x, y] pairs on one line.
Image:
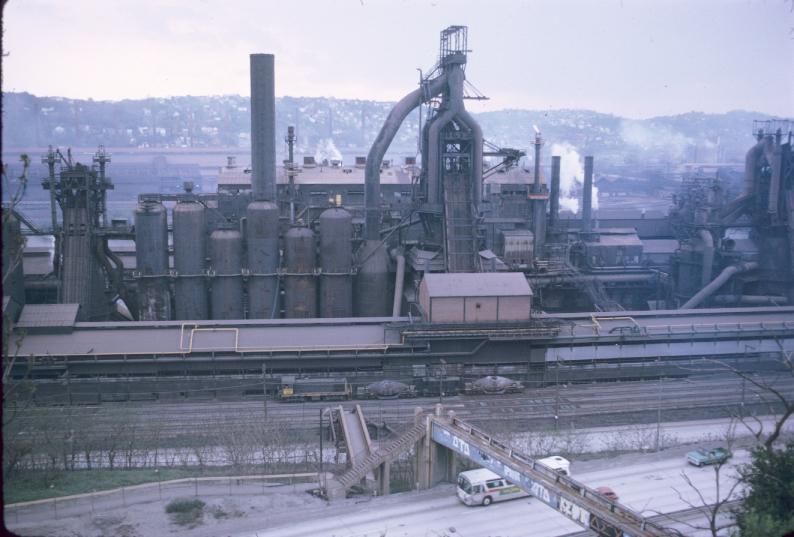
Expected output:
{"points": [[443, 372], [659, 413], [321, 446], [741, 406], [264, 388], [557, 395]]}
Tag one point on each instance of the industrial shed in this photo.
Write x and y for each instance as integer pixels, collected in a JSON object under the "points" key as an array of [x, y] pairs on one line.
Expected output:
{"points": [[475, 297]]}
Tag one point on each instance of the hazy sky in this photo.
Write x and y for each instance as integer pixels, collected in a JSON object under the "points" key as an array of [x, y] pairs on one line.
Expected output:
{"points": [[627, 57]]}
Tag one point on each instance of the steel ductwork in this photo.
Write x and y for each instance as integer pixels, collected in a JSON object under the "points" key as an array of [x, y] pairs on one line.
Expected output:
{"points": [[376, 153], [718, 282], [452, 109], [708, 255], [750, 167]]}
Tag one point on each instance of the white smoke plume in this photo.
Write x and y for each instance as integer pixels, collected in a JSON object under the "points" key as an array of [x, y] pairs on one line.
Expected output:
{"points": [[571, 177], [658, 138], [326, 150]]}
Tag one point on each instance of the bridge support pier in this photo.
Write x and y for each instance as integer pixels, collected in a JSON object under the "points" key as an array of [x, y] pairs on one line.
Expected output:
{"points": [[382, 478], [434, 462]]}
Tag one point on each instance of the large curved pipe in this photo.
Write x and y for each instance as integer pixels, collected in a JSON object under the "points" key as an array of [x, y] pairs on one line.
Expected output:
{"points": [[774, 156], [708, 255], [381, 145], [718, 282], [433, 156], [754, 300], [477, 160], [113, 273], [399, 279], [750, 166], [455, 109]]}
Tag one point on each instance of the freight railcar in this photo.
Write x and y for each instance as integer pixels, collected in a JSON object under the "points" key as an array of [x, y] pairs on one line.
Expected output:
{"points": [[314, 389]]}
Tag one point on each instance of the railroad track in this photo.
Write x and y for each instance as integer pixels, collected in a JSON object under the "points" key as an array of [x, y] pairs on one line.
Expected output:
{"points": [[173, 420]]}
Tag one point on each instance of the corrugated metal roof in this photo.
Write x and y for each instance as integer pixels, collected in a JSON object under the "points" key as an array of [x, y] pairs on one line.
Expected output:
{"points": [[455, 284], [52, 316]]}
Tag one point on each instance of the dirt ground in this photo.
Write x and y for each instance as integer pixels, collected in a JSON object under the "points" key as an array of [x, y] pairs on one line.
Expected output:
{"points": [[222, 515]]}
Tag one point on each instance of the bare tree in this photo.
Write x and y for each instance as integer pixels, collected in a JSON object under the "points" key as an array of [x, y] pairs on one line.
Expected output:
{"points": [[712, 511], [771, 392]]}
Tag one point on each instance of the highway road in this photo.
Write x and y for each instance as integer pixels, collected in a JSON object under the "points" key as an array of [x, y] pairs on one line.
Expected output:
{"points": [[650, 485]]}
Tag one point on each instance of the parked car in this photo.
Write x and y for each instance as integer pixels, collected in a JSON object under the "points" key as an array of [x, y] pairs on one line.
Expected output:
{"points": [[700, 457], [608, 493]]}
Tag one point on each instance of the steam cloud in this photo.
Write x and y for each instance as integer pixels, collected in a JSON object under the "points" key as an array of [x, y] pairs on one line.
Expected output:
{"points": [[571, 176], [326, 150], [658, 138]]}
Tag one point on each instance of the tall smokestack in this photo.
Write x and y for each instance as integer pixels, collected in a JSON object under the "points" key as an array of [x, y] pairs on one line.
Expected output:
{"points": [[587, 196], [263, 127], [554, 202], [538, 202], [538, 142]]}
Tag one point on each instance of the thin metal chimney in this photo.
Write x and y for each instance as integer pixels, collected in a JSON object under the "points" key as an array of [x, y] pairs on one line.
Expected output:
{"points": [[263, 127], [587, 196], [554, 202]]}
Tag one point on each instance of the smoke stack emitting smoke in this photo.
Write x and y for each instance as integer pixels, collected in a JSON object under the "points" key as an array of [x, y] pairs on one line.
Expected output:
{"points": [[571, 176]]}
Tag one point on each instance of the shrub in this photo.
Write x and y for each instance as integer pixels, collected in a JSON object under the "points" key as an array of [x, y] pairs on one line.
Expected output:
{"points": [[186, 512]]}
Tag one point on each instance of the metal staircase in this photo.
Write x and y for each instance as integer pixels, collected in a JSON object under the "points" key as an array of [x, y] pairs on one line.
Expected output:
{"points": [[340, 484]]}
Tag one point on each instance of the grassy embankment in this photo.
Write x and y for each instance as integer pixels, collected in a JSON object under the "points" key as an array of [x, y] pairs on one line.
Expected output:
{"points": [[29, 485]]}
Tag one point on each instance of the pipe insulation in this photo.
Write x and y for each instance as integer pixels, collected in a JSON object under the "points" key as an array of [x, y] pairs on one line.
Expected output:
{"points": [[718, 282], [376, 153]]}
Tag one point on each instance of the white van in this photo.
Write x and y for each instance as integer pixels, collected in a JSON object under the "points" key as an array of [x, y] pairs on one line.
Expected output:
{"points": [[483, 487], [559, 464]]}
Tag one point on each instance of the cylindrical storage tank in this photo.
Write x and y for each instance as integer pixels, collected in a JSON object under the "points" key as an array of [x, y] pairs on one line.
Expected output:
{"points": [[336, 289], [226, 259], [300, 293], [372, 298], [190, 253], [151, 257], [262, 242], [13, 243]]}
